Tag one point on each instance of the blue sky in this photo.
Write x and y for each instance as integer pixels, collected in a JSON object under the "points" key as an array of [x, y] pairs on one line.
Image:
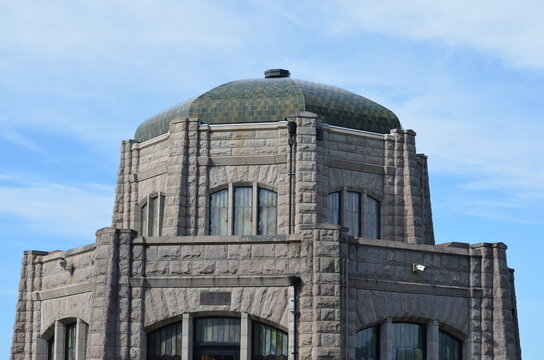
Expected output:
{"points": [[77, 77]]}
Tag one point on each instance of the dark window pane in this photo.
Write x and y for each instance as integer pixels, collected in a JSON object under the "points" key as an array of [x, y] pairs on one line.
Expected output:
{"points": [[372, 218], [269, 342], [367, 344], [450, 347], [267, 212], [217, 330], [333, 208], [70, 342], [144, 227], [219, 213], [353, 213], [165, 342], [408, 341], [242, 210]]}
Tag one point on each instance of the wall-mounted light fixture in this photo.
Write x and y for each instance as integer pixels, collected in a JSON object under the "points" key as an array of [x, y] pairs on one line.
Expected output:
{"points": [[64, 265], [417, 268]]}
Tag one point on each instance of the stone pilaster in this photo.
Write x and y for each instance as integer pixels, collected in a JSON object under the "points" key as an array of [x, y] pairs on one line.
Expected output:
{"points": [[26, 328], [425, 195], [191, 181], [407, 211], [327, 340], [499, 331], [202, 227], [110, 320], [123, 207]]}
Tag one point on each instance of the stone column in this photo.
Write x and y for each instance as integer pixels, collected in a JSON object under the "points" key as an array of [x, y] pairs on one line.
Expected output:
{"points": [[187, 337], [245, 337], [433, 340], [123, 207], [386, 340]]}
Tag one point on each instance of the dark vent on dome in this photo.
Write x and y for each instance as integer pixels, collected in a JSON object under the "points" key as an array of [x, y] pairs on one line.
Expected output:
{"points": [[276, 73]]}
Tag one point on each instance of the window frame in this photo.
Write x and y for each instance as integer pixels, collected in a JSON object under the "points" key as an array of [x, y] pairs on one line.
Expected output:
{"points": [[255, 210], [153, 202]]}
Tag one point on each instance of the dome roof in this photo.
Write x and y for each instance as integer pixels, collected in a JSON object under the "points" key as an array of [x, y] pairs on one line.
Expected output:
{"points": [[272, 99]]}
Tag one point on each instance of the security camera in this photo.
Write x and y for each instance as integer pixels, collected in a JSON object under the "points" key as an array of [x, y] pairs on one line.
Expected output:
{"points": [[417, 268]]}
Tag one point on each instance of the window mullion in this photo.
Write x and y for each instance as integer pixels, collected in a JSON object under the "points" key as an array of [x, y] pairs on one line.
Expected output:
{"points": [[255, 208]]}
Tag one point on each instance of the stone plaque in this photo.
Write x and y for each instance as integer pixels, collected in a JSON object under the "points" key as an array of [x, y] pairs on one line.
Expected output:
{"points": [[214, 298]]}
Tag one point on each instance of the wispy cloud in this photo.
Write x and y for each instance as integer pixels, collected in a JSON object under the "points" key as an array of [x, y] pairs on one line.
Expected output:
{"points": [[57, 209], [510, 30]]}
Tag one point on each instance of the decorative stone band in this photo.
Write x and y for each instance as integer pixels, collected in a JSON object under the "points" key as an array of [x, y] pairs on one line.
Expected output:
{"points": [[208, 282], [210, 240], [358, 166], [414, 288], [242, 160], [62, 291]]}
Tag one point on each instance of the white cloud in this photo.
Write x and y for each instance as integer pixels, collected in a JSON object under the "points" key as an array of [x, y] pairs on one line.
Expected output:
{"points": [[51, 208], [510, 30]]}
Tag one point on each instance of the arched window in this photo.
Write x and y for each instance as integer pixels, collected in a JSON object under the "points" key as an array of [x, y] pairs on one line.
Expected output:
{"points": [[367, 346], [254, 211], [65, 339], [408, 341], [269, 343], [449, 347], [151, 216], [217, 336], [372, 218], [165, 343], [334, 208]]}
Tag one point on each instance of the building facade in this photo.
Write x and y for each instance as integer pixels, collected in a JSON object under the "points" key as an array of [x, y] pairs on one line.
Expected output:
{"points": [[269, 219]]}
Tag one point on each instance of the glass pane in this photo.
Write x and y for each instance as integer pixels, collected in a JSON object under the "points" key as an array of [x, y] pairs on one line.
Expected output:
{"points": [[373, 218], [217, 330], [242, 210], [50, 345], [218, 213], [70, 342], [144, 228], [367, 344], [267, 212], [152, 214], [408, 341], [333, 208], [165, 341], [353, 213], [450, 347], [268, 342]]}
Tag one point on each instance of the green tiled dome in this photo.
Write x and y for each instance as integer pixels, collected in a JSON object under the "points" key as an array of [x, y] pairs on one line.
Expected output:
{"points": [[272, 99]]}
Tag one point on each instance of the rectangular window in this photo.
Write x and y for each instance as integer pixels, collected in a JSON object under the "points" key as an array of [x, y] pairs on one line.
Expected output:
{"points": [[219, 213], [267, 212], [145, 223], [353, 213], [372, 218], [242, 210], [70, 342], [333, 208]]}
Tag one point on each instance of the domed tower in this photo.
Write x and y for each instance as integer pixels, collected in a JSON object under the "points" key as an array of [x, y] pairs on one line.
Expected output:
{"points": [[274, 219]]}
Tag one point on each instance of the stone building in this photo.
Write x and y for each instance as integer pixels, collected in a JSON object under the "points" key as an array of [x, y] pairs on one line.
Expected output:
{"points": [[269, 218]]}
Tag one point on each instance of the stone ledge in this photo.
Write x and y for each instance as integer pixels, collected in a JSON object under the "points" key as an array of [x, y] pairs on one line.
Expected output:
{"points": [[206, 282], [388, 244], [356, 166], [150, 173], [71, 252], [210, 240], [357, 132], [242, 160], [414, 288], [62, 291]]}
